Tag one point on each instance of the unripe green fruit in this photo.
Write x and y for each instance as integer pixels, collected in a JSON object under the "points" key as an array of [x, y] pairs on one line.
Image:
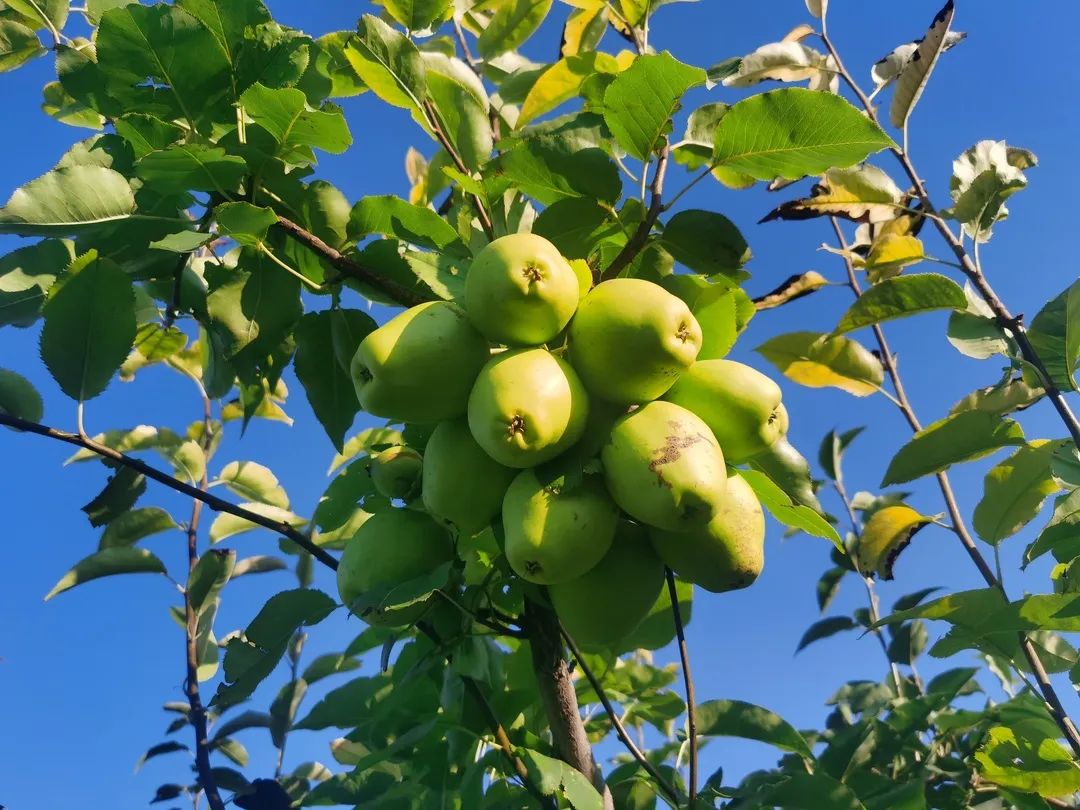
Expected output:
{"points": [[420, 365], [726, 555], [396, 472], [527, 407], [631, 339], [609, 601], [740, 405], [556, 532], [789, 470], [664, 467], [520, 290], [462, 484], [390, 549]]}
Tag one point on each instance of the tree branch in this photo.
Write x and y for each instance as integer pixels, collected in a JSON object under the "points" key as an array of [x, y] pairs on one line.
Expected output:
{"points": [[214, 502], [353, 269], [688, 681], [437, 128], [1053, 702], [640, 237]]}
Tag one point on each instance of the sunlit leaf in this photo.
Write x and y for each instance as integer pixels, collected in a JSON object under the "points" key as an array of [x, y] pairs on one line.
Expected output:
{"points": [[106, 563], [964, 436], [1015, 491], [885, 535], [916, 71], [816, 361]]}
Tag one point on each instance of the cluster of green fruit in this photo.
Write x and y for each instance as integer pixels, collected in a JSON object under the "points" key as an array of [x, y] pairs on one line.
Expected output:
{"points": [[537, 377]]}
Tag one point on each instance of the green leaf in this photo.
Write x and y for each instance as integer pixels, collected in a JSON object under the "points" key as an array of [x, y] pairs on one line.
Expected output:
{"points": [[786, 511], [258, 564], [18, 45], [576, 226], [325, 343], [241, 722], [554, 169], [1061, 535], [26, 275], [706, 242], [159, 750], [722, 311], [328, 664], [900, 297], [1015, 490], [1055, 335], [254, 482], [766, 136], [553, 777], [974, 330], [256, 306], [132, 526], [1012, 395], [514, 22], [106, 563], [964, 436], [832, 450], [252, 656], [916, 71], [789, 470], [121, 492], [208, 577], [393, 216], [1016, 757], [734, 718], [19, 398], [231, 749], [804, 791], [416, 15], [192, 167], [284, 114], [817, 361], [824, 628], [639, 103], [983, 178], [227, 525], [89, 326], [389, 64], [67, 200]]}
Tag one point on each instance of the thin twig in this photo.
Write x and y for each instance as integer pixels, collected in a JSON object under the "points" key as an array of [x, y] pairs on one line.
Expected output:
{"points": [[620, 729], [432, 116], [1053, 702], [688, 681], [640, 237], [214, 502]]}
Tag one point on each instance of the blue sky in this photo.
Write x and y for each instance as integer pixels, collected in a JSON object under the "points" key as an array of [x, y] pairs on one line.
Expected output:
{"points": [[86, 673]]}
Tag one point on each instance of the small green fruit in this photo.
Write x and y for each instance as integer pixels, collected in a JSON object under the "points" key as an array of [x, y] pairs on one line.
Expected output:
{"points": [[390, 549], [462, 484], [609, 601], [740, 405], [557, 531], [419, 366], [726, 555], [396, 472], [789, 470], [520, 290], [527, 407], [664, 467], [631, 339]]}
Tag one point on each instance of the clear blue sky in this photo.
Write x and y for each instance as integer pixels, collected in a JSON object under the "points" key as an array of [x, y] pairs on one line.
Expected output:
{"points": [[84, 676]]}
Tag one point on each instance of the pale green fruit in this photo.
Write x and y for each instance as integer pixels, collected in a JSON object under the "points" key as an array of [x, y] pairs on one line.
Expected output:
{"points": [[390, 549], [396, 472], [726, 555], [557, 530], [664, 467], [609, 601], [527, 407], [631, 339], [520, 290], [740, 405], [420, 365], [462, 484]]}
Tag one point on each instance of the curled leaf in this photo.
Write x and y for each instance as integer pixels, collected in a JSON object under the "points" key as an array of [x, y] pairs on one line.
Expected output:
{"points": [[885, 535]]}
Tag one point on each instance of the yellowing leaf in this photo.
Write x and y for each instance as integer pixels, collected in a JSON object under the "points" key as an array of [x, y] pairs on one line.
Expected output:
{"points": [[916, 72], [1015, 490], [787, 61], [819, 361], [885, 535], [561, 82], [891, 253], [793, 287], [861, 194]]}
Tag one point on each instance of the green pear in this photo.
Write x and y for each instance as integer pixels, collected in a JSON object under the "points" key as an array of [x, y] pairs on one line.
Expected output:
{"points": [[726, 555], [389, 550], [557, 528], [520, 290], [631, 339], [396, 472], [664, 467], [740, 405], [420, 365], [462, 484], [789, 470], [609, 601], [527, 407]]}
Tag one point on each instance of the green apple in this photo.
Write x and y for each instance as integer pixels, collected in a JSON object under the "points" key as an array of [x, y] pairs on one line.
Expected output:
{"points": [[557, 528], [420, 365], [608, 602], [527, 407], [396, 472], [664, 467], [739, 404], [462, 484], [631, 339], [726, 555], [390, 549], [520, 290]]}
